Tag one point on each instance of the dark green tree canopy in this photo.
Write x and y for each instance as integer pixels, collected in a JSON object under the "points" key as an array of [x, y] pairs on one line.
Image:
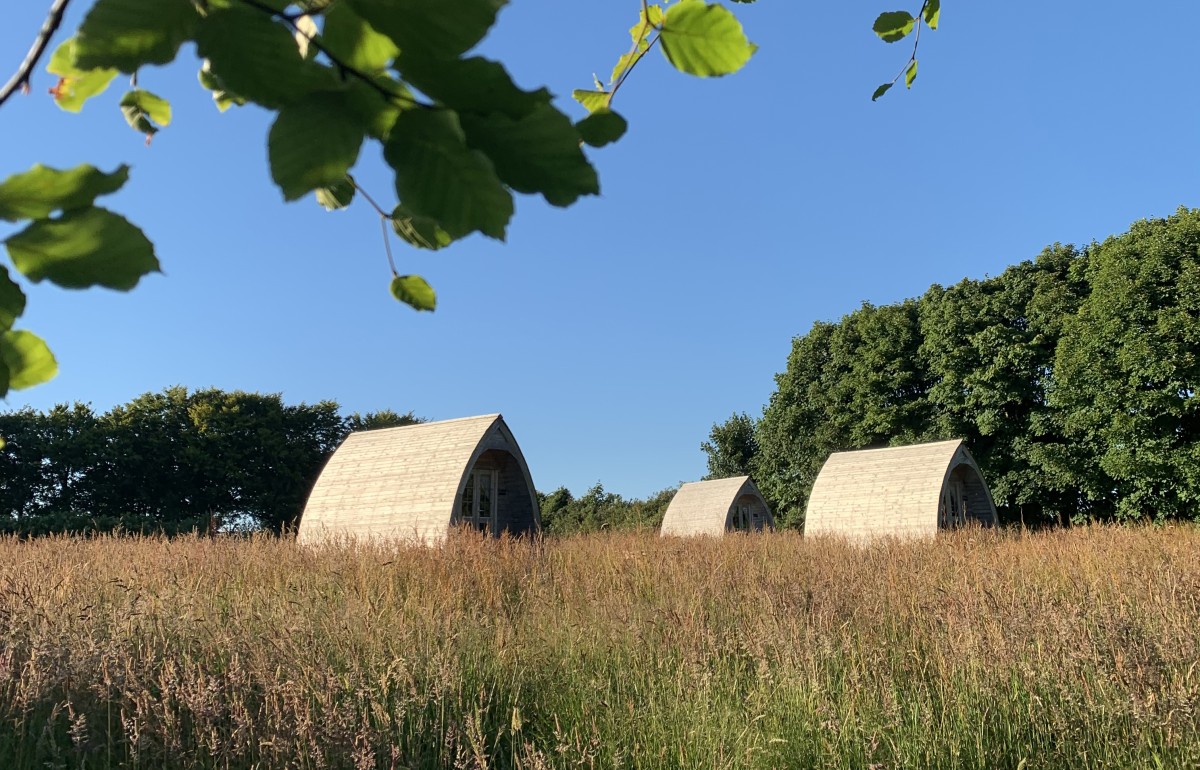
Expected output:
{"points": [[1072, 376], [174, 461]]}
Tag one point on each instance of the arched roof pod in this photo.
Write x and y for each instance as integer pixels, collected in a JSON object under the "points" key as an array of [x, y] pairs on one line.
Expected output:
{"points": [[907, 491], [413, 483], [716, 507]]}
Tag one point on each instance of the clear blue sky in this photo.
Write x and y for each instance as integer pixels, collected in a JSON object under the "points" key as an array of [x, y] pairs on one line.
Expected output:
{"points": [[736, 212]]}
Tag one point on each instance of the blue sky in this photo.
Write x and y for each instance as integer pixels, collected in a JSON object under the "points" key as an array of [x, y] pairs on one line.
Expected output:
{"points": [[736, 212]]}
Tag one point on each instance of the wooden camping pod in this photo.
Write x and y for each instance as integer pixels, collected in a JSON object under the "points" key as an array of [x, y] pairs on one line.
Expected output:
{"points": [[415, 482], [906, 491], [716, 507]]}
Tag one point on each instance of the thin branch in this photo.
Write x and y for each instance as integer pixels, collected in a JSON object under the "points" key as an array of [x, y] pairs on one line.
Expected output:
{"points": [[374, 205], [346, 69], [387, 245], [641, 36], [25, 71], [916, 42], [384, 218]]}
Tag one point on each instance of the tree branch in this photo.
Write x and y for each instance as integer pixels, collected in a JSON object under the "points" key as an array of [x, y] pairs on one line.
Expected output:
{"points": [[49, 27]]}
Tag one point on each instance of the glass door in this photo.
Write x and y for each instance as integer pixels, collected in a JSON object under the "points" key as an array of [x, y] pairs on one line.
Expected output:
{"points": [[479, 500]]}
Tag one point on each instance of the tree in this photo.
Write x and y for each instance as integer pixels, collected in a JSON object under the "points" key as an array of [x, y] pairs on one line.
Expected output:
{"points": [[731, 447], [382, 419], [857, 383], [989, 346], [1127, 372], [171, 462], [459, 135]]}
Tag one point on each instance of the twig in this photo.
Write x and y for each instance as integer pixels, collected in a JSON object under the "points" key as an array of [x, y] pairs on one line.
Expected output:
{"points": [[384, 218], [641, 36], [49, 27]]}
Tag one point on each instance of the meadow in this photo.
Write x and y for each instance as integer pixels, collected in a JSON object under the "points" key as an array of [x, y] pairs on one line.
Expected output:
{"points": [[981, 649]]}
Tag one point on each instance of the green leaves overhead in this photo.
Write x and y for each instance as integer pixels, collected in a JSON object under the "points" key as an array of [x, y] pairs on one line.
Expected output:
{"points": [[438, 176], [539, 153], [75, 86], [414, 291], [416, 230], [313, 143], [377, 106], [143, 109], [83, 247], [42, 190], [601, 127], [12, 300], [591, 100], [25, 361], [649, 18], [437, 30], [256, 57], [932, 13], [127, 34], [336, 196], [704, 40], [355, 42], [222, 96], [472, 85], [894, 25]]}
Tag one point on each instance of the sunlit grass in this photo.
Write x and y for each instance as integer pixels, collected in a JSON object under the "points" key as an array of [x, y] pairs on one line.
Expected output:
{"points": [[1068, 649]]}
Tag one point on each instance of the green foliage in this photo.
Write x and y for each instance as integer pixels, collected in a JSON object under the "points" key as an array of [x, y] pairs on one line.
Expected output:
{"points": [[337, 195], [68, 241], [127, 34], [897, 25], [414, 291], [539, 153], [312, 145], [169, 462], [417, 230], [705, 40], [439, 176], [990, 346], [855, 384], [602, 127], [24, 360], [894, 25], [732, 447], [337, 73], [41, 191], [1072, 377], [563, 514], [142, 110], [83, 247], [1127, 372], [75, 86]]}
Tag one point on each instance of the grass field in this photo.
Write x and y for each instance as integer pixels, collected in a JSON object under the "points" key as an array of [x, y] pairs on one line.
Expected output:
{"points": [[979, 650]]}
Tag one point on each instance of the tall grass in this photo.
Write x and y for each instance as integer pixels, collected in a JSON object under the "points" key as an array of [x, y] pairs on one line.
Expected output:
{"points": [[978, 650]]}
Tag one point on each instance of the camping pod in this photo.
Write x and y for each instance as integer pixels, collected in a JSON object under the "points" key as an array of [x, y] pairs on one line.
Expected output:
{"points": [[716, 507], [904, 491], [417, 482]]}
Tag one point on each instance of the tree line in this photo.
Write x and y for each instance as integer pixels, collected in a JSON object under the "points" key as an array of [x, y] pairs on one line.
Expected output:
{"points": [[169, 462], [1072, 377]]}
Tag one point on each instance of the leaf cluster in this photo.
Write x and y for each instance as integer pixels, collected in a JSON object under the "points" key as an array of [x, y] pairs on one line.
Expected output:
{"points": [[69, 241], [460, 136]]}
